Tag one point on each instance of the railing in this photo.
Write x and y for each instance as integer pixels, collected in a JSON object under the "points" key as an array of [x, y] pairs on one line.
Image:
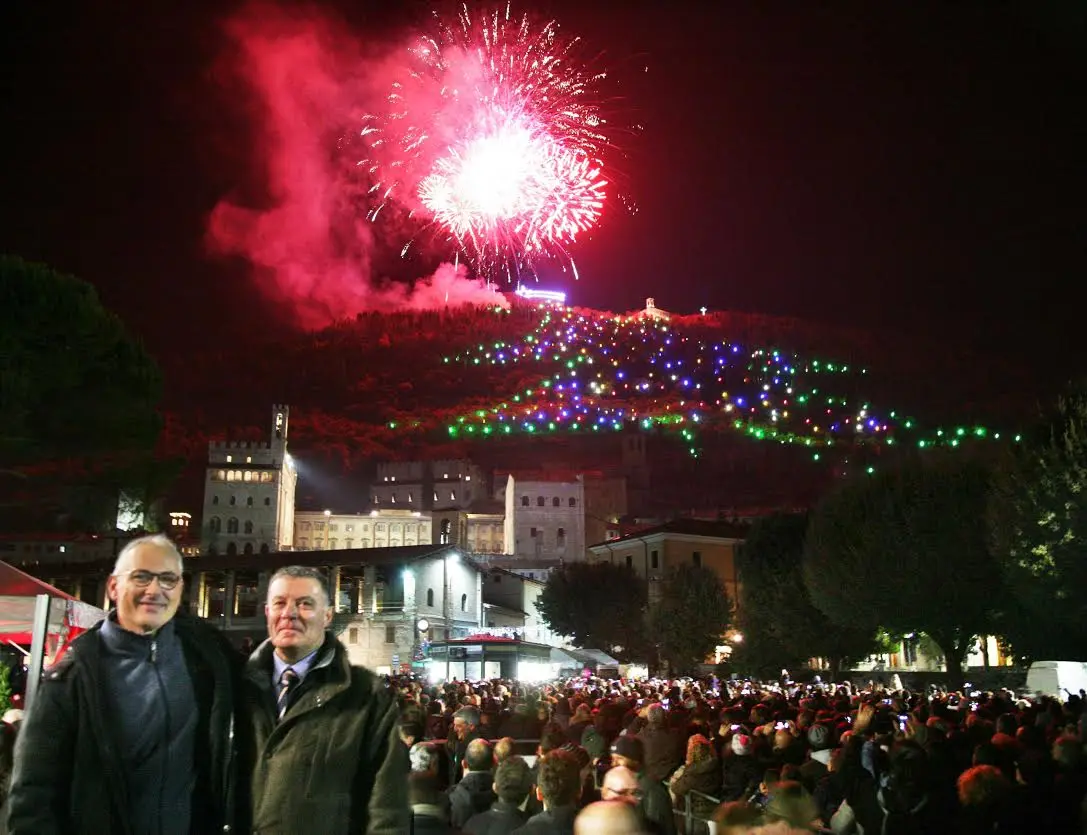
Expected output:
{"points": [[690, 819], [526, 748]]}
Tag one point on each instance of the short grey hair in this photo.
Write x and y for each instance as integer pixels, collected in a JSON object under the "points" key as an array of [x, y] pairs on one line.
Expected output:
{"points": [[156, 540], [306, 572]]}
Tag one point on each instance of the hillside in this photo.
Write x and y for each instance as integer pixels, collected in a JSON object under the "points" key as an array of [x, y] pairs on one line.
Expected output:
{"points": [[480, 381]]}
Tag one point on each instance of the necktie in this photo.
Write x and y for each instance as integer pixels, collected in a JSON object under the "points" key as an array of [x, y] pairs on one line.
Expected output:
{"points": [[287, 683]]}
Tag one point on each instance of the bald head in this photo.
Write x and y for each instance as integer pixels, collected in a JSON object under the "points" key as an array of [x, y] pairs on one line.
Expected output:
{"points": [[621, 784], [478, 756], [607, 817]]}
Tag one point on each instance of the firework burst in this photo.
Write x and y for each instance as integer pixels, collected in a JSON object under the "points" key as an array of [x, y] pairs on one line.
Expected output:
{"points": [[495, 135]]}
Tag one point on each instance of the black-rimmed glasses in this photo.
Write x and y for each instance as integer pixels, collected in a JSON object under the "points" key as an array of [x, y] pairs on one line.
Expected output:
{"points": [[168, 580]]}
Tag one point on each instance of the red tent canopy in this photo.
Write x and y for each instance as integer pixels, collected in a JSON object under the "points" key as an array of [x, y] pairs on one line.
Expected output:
{"points": [[18, 590], [16, 583]]}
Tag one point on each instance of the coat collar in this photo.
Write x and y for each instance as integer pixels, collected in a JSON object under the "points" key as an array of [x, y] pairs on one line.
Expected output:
{"points": [[328, 677]]}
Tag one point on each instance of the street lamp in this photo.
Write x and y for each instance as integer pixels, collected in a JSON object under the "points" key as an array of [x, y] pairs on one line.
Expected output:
{"points": [[445, 605]]}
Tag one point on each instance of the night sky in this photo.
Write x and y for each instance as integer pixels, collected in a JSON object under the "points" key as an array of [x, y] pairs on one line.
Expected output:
{"points": [[911, 169]]}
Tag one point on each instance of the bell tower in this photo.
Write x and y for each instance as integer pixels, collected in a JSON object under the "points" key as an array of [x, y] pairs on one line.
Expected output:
{"points": [[280, 418]]}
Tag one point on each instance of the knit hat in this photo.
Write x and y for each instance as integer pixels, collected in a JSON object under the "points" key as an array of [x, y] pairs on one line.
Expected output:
{"points": [[630, 747], [593, 742], [741, 745]]}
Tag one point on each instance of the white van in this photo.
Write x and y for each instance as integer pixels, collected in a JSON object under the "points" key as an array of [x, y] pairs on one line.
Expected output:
{"points": [[1054, 678]]}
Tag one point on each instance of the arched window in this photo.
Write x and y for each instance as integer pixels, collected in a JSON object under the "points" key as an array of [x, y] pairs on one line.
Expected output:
{"points": [[268, 501], [573, 502], [430, 597], [249, 501], [445, 531], [233, 500], [249, 527], [560, 537], [215, 500], [463, 602], [539, 501], [524, 501], [264, 548], [247, 476], [555, 502], [232, 550], [248, 549], [232, 525], [215, 525]]}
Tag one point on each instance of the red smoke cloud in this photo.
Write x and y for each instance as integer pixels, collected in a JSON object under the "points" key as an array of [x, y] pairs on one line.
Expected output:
{"points": [[312, 245]]}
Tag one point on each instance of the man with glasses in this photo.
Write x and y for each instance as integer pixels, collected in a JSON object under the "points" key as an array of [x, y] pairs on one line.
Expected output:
{"points": [[132, 732]]}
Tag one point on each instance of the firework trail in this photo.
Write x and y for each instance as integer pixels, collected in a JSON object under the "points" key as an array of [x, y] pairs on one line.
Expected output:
{"points": [[494, 134]]}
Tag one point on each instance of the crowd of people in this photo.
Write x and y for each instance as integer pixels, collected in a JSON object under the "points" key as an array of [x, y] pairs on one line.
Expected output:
{"points": [[746, 757], [153, 723]]}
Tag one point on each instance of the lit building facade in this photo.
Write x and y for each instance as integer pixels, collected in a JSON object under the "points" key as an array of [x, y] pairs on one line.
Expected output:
{"points": [[324, 530], [427, 485], [390, 603], [545, 518], [652, 552], [249, 494], [486, 533]]}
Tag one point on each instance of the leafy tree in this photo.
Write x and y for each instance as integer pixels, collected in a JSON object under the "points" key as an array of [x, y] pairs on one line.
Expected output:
{"points": [[693, 614], [780, 625], [1038, 525], [77, 389], [598, 605], [5, 687], [906, 550], [72, 380]]}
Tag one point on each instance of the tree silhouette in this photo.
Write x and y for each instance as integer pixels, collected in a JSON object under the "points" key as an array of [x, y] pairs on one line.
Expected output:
{"points": [[907, 550]]}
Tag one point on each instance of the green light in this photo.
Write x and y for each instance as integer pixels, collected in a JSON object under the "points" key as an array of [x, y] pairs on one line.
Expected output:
{"points": [[960, 431], [871, 470]]}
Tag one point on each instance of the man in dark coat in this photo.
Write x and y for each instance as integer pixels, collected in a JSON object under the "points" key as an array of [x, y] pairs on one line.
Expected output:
{"points": [[512, 783], [474, 793], [558, 786], [325, 752], [133, 730]]}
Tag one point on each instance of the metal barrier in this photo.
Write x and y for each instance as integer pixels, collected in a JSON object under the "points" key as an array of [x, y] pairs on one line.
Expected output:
{"points": [[687, 814], [690, 821]]}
